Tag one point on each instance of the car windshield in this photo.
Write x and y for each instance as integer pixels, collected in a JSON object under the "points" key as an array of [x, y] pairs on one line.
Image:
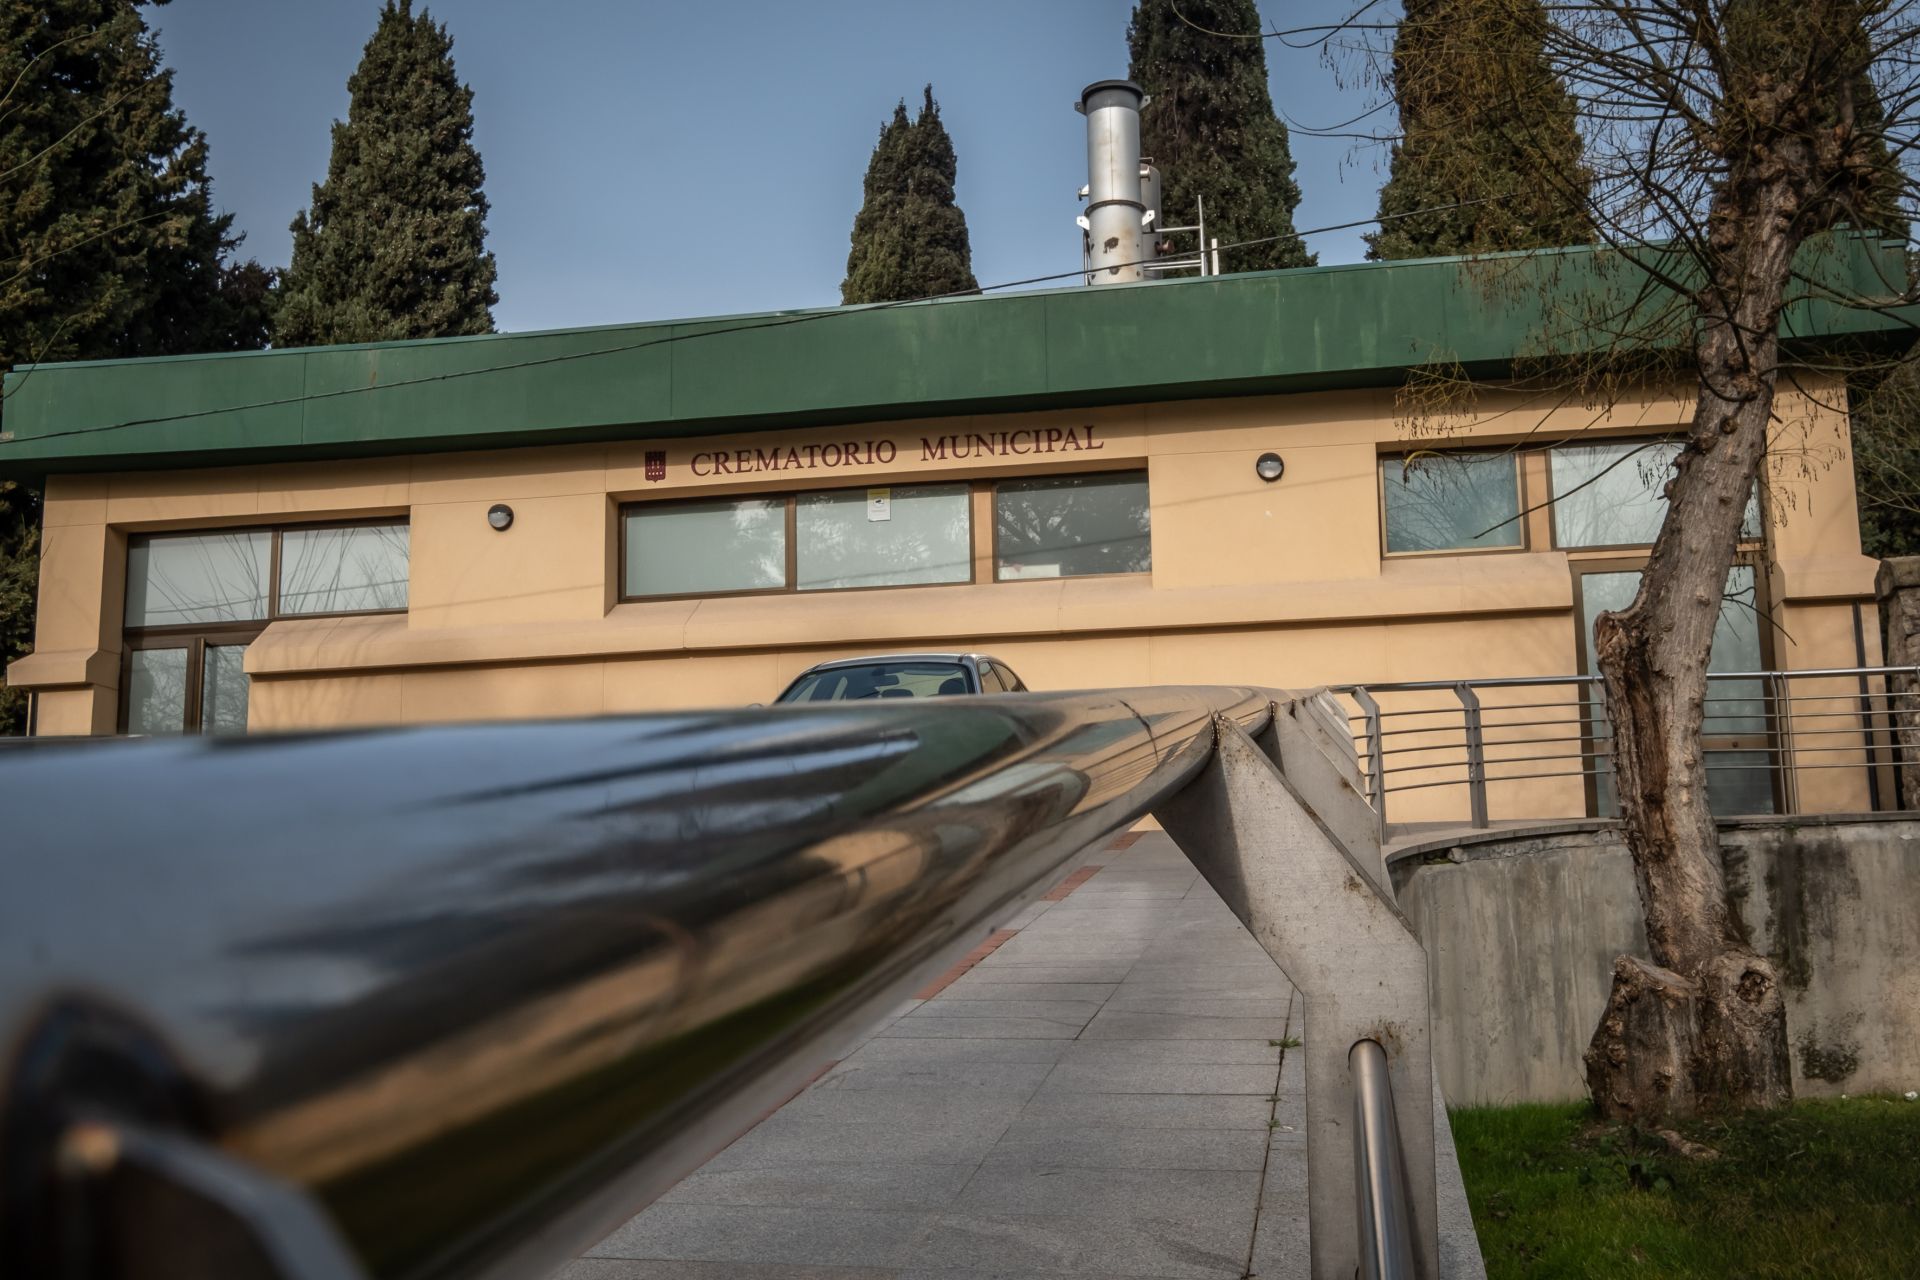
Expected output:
{"points": [[879, 680]]}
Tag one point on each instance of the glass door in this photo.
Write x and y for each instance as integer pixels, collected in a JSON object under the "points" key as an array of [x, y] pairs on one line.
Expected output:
{"points": [[155, 684], [185, 684], [223, 688], [1741, 768]]}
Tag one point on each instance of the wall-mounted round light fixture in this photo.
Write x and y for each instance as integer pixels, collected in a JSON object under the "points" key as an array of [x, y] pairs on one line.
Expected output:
{"points": [[1269, 467], [500, 516]]}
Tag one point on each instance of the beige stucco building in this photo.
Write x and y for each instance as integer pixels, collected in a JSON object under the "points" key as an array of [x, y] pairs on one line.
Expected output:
{"points": [[1068, 481]]}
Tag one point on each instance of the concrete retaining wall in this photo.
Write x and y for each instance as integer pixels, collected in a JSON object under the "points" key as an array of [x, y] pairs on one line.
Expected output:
{"points": [[1521, 930]]}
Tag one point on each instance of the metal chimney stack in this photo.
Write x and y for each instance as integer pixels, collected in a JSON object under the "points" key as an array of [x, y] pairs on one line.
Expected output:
{"points": [[1116, 216]]}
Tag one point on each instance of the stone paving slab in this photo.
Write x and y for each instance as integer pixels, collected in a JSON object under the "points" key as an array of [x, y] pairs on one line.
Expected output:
{"points": [[645, 1269], [1072, 1145], [988, 987], [960, 1049], [810, 1236], [1104, 1093], [826, 1185]]}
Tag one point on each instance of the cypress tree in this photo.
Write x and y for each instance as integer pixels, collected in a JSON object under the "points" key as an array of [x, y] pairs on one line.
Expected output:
{"points": [[1211, 127], [909, 238], [1482, 119], [109, 245], [1878, 203], [393, 245]]}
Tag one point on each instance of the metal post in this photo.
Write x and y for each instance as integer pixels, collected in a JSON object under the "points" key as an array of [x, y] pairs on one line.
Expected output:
{"points": [[1782, 699], [1376, 758], [1352, 955], [1866, 712], [1216, 255], [1476, 753], [1380, 1187], [1200, 222]]}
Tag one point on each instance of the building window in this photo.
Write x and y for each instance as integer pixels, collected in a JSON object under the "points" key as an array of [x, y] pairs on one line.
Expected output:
{"points": [[360, 568], [824, 540], [1614, 494], [179, 579], [709, 547], [1452, 501], [196, 600], [883, 537], [1070, 526]]}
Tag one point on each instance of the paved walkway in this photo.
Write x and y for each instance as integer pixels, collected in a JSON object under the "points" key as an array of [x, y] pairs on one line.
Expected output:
{"points": [[1104, 1091]]}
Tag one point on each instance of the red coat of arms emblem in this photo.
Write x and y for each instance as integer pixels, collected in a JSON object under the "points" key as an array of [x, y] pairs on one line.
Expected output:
{"points": [[656, 464]]}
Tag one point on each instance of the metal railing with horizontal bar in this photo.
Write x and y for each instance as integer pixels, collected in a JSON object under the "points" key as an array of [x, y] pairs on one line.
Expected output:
{"points": [[1816, 740], [454, 1002]]}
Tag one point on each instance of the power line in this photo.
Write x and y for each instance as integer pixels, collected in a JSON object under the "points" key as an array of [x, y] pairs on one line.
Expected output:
{"points": [[670, 338]]}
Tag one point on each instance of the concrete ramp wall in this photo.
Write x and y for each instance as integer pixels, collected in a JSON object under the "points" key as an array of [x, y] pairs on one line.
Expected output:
{"points": [[1521, 929]]}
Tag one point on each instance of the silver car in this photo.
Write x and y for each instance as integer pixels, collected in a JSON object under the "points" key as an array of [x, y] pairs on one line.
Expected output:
{"points": [[903, 675]]}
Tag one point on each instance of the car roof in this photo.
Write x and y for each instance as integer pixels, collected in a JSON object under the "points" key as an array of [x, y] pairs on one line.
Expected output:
{"points": [[902, 657]]}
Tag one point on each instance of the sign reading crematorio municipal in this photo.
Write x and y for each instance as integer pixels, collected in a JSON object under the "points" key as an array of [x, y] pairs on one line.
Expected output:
{"points": [[885, 451]]}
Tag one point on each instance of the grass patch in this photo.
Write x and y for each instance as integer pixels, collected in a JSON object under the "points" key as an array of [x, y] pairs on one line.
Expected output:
{"points": [[1822, 1189]]}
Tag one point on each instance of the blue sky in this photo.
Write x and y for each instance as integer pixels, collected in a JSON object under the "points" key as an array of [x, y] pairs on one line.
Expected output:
{"points": [[647, 160]]}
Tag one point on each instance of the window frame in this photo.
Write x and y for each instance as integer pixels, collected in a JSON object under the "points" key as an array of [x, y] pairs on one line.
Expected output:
{"points": [[274, 613], [790, 555], [993, 520], [194, 637], [1626, 548], [790, 498], [1531, 505], [983, 551], [273, 573], [1515, 453], [972, 488]]}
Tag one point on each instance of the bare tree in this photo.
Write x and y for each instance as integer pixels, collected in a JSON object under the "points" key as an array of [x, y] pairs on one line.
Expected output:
{"points": [[1722, 139]]}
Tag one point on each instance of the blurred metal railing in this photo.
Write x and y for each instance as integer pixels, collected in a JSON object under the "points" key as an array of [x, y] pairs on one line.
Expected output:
{"points": [[1765, 732], [454, 1002]]}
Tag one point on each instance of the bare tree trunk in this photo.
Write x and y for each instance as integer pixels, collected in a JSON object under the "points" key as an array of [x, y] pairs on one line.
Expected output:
{"points": [[1704, 1025]]}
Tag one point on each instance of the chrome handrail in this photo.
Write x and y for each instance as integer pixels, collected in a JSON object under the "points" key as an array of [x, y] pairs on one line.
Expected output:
{"points": [[1380, 1183], [481, 991]]}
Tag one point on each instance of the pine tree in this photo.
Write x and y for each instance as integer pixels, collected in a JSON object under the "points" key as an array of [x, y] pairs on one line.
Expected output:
{"points": [[909, 238], [1501, 153], [394, 244], [1211, 127], [109, 245]]}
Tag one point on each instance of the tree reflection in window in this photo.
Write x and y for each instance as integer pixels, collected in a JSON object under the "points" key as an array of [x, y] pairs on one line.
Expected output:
{"points": [[343, 569], [223, 689], [898, 536], [175, 579], [707, 546], [1452, 501], [1068, 526], [157, 691], [1614, 494]]}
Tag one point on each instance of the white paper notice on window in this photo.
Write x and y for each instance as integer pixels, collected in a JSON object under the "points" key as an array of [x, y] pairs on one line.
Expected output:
{"points": [[1030, 571], [879, 504]]}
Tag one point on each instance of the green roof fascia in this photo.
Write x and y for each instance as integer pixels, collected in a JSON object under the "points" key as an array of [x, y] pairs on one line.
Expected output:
{"points": [[1314, 328]]}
